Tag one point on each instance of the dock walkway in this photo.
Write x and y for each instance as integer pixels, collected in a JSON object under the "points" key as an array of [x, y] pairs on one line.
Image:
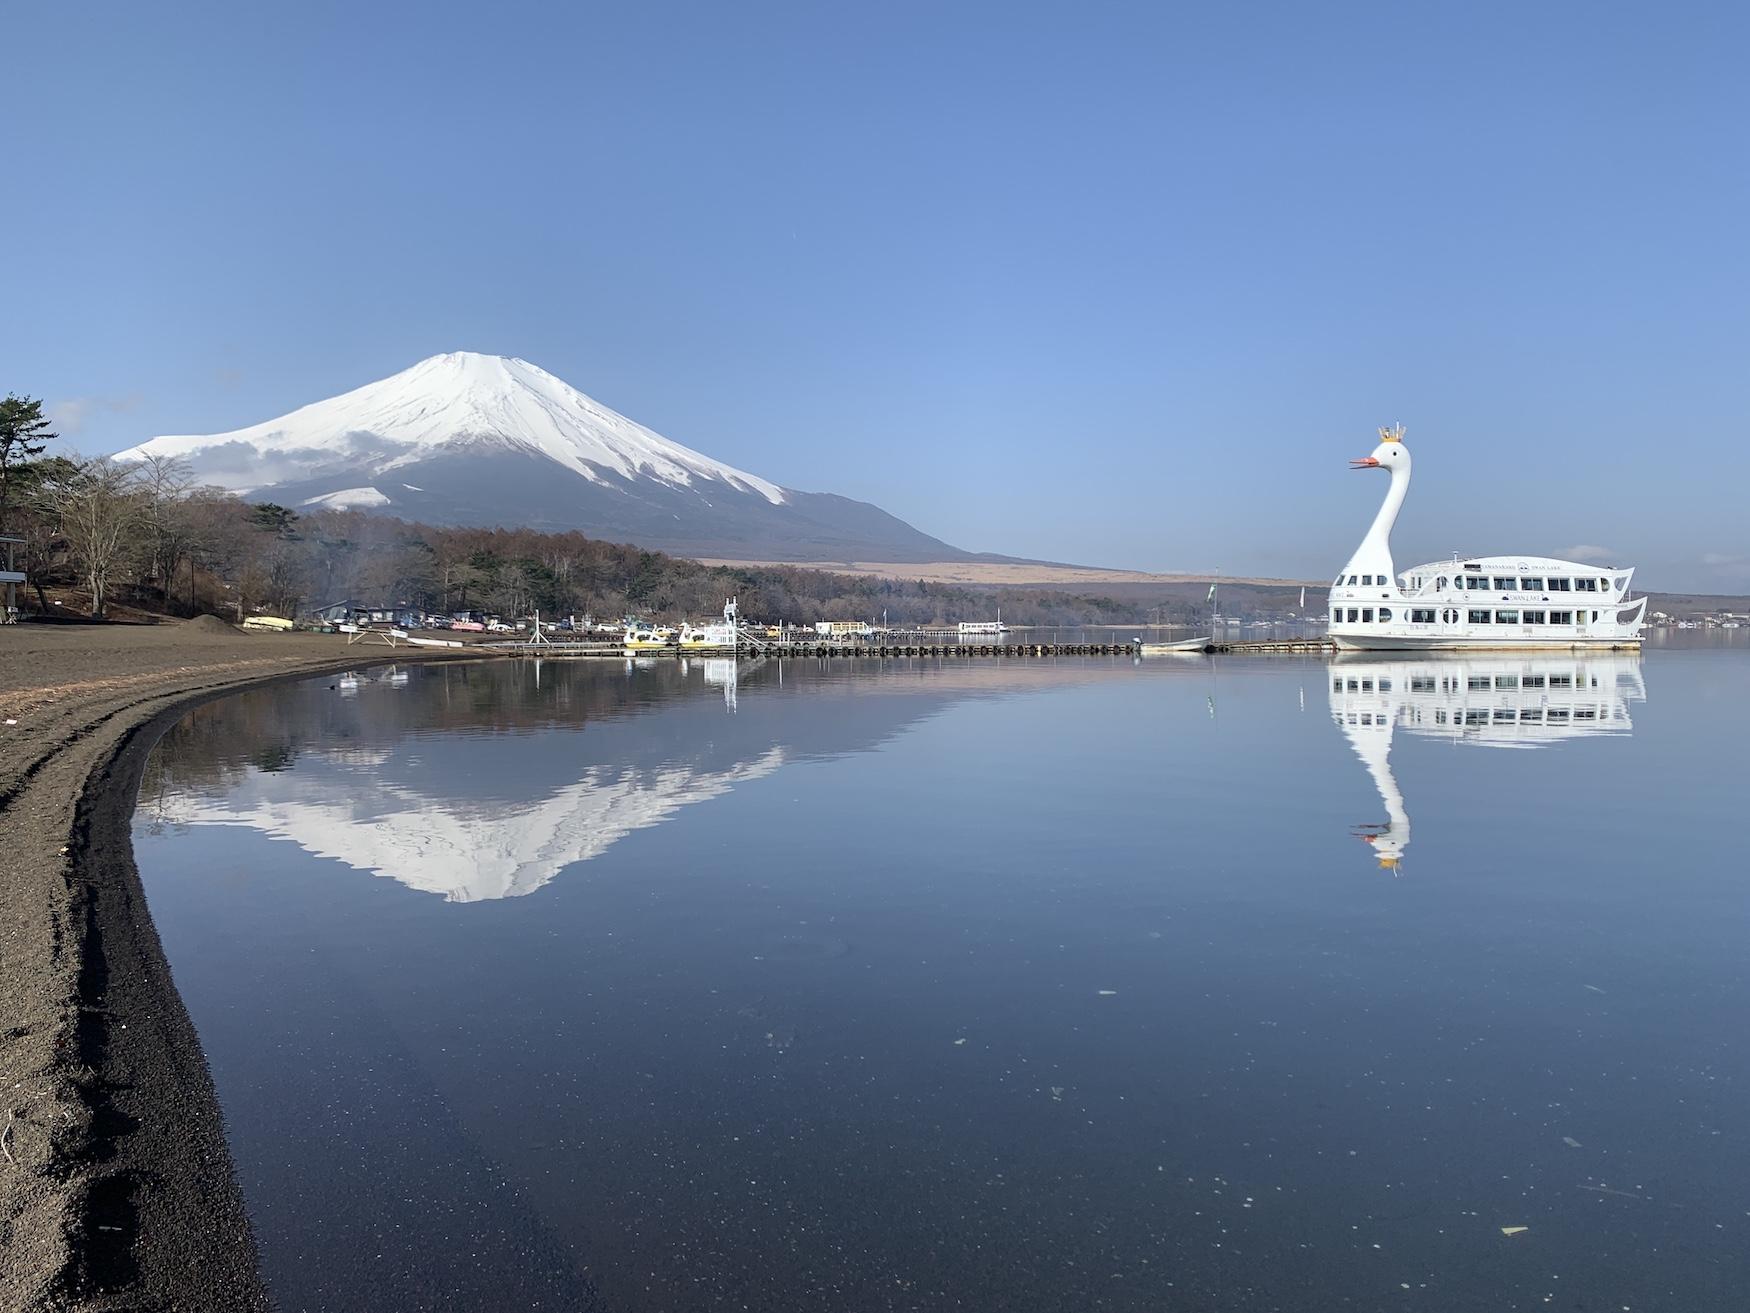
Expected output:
{"points": [[799, 649]]}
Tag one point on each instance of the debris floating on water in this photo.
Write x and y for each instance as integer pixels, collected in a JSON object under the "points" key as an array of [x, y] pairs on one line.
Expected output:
{"points": [[959, 1042], [1107, 993], [1593, 988], [1571, 1142], [1620, 1194], [1514, 1230]]}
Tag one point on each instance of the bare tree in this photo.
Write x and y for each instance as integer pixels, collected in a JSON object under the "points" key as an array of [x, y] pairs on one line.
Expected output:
{"points": [[100, 509], [164, 483]]}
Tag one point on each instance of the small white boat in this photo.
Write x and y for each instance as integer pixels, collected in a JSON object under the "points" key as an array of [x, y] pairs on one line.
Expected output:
{"points": [[1184, 647], [1506, 602]]}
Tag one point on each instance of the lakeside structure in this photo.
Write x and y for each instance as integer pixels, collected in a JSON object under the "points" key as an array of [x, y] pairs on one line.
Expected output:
{"points": [[1474, 601]]}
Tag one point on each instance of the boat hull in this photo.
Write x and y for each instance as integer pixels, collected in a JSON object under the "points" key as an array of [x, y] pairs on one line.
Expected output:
{"points": [[1453, 643]]}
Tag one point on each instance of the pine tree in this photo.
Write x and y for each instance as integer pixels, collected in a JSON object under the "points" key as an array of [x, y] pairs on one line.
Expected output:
{"points": [[24, 431]]}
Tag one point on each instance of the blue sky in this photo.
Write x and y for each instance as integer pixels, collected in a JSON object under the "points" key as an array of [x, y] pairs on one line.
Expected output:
{"points": [[1114, 284]]}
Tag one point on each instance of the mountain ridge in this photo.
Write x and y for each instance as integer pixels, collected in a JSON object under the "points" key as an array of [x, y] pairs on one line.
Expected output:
{"points": [[469, 439]]}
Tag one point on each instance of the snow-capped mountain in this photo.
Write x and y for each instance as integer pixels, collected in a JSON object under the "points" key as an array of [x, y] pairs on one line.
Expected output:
{"points": [[473, 439]]}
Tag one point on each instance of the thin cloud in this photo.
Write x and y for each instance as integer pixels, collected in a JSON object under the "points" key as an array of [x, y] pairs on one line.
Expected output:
{"points": [[1589, 552], [72, 415]]}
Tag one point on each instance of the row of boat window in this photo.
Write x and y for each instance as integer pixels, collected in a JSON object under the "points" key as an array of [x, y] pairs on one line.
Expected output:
{"points": [[1501, 583], [1452, 683], [1498, 716], [1475, 616]]}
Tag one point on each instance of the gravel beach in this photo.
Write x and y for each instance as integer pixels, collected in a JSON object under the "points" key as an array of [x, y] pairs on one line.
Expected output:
{"points": [[116, 1187]]}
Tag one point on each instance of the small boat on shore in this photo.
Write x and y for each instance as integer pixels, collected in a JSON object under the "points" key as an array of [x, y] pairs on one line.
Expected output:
{"points": [[1504, 602]]}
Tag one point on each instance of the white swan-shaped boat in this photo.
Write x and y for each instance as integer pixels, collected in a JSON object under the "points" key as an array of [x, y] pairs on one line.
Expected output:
{"points": [[1472, 601]]}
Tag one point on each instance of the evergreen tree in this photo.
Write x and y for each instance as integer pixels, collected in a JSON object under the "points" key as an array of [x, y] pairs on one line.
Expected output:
{"points": [[24, 430]]}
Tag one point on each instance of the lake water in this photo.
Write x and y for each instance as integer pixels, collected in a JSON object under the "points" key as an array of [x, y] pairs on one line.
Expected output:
{"points": [[1254, 984]]}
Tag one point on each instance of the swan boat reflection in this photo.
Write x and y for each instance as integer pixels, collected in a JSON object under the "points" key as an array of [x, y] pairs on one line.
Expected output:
{"points": [[1493, 701]]}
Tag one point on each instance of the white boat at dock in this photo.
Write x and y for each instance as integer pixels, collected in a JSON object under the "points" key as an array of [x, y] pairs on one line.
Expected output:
{"points": [[1184, 647], [1504, 602]]}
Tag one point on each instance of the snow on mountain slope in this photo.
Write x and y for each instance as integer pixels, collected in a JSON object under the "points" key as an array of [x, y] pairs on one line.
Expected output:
{"points": [[457, 400], [470, 439]]}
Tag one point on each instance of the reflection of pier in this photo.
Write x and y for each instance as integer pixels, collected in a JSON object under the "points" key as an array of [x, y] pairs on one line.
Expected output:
{"points": [[1493, 701]]}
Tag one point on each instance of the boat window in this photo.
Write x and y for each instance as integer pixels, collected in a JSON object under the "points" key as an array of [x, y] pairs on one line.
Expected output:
{"points": [[1367, 615], [1585, 713], [1440, 584], [1476, 581], [1440, 716], [1477, 683], [1469, 566], [1561, 585], [1555, 714], [1531, 713], [1506, 617], [1421, 683], [1420, 617], [1351, 581], [1534, 617], [1506, 681], [1504, 715], [1477, 717], [1354, 615], [1586, 585], [1503, 584], [1385, 685], [1336, 615], [1561, 617], [1367, 686], [1531, 585], [1561, 681], [1354, 685], [1479, 617], [1450, 615], [1534, 681], [1384, 614]]}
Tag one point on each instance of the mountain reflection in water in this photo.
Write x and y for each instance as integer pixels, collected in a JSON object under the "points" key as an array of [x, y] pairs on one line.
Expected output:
{"points": [[1488, 700], [449, 789]]}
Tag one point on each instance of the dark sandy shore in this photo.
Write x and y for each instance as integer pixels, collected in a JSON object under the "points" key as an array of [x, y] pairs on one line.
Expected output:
{"points": [[116, 1188]]}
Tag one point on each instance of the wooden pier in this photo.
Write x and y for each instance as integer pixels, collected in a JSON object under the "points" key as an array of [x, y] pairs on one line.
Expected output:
{"points": [[801, 649], [820, 647]]}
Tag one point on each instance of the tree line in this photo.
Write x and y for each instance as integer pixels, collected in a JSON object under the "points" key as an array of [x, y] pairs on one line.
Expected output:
{"points": [[147, 534]]}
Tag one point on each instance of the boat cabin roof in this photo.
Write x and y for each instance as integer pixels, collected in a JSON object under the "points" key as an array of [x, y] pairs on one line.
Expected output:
{"points": [[1513, 565]]}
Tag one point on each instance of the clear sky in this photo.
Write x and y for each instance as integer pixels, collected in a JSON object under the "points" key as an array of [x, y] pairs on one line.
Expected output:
{"points": [[1104, 283]]}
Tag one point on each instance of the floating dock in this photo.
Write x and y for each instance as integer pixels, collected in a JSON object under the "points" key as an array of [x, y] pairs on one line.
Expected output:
{"points": [[800, 649]]}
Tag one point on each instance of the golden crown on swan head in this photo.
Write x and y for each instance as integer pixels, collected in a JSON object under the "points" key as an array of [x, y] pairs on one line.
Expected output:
{"points": [[1394, 434]]}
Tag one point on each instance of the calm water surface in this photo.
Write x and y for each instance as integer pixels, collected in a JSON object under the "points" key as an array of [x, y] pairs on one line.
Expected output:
{"points": [[1261, 984]]}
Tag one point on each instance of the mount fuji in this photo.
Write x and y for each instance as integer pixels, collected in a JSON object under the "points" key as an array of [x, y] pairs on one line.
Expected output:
{"points": [[468, 439]]}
